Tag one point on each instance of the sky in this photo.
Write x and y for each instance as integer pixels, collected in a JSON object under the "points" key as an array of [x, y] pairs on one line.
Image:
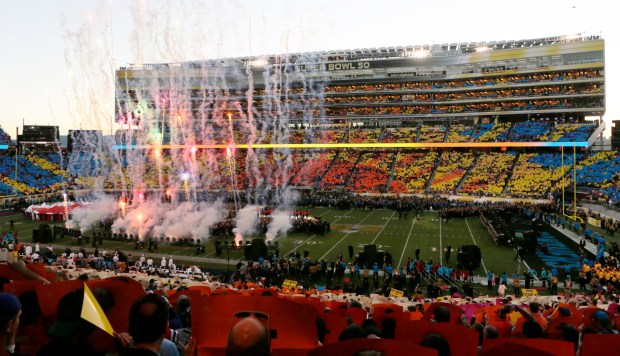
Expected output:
{"points": [[59, 56]]}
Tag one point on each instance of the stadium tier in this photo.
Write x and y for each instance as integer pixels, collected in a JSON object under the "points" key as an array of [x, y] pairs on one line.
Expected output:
{"points": [[459, 117]]}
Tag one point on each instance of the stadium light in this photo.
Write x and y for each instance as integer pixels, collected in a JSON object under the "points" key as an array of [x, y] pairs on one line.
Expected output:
{"points": [[420, 53], [571, 37], [259, 62]]}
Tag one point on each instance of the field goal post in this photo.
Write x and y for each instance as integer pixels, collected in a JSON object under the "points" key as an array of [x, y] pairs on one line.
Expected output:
{"points": [[573, 217]]}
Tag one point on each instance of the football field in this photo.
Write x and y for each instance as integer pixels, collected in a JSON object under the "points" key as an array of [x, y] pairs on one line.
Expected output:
{"points": [[356, 228]]}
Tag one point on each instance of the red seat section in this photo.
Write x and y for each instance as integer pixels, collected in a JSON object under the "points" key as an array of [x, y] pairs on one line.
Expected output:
{"points": [[358, 315], [529, 347], [386, 346], [456, 313], [125, 291], [38, 268], [462, 340], [600, 344], [18, 287], [335, 324], [50, 295], [293, 325]]}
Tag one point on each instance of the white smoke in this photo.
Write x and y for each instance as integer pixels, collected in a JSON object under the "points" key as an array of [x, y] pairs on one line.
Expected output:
{"points": [[162, 220], [246, 222], [84, 217], [280, 224]]}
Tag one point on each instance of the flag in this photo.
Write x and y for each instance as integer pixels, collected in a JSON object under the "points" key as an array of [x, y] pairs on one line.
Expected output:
{"points": [[92, 312]]}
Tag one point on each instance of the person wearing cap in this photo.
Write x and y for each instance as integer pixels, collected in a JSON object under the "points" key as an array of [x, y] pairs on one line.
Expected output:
{"points": [[10, 310], [600, 324]]}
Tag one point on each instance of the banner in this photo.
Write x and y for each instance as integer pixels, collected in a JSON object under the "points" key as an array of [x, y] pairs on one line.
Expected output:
{"points": [[289, 284], [594, 222], [529, 292], [396, 293]]}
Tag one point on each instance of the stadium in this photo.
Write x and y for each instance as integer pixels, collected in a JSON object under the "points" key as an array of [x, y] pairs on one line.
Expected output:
{"points": [[394, 177]]}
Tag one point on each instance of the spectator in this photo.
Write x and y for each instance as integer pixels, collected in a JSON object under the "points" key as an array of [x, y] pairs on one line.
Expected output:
{"points": [[436, 342], [69, 332], [10, 311], [248, 337], [148, 324]]}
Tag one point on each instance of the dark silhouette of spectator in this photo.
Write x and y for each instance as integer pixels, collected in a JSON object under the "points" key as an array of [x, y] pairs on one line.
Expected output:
{"points": [[388, 328], [69, 332], [436, 342], [10, 310], [532, 330], [148, 324], [248, 337], [352, 331], [441, 315]]}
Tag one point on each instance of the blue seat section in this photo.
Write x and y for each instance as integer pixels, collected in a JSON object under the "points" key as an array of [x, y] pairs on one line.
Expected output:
{"points": [[599, 172], [6, 189], [581, 134], [527, 131], [87, 165], [28, 173], [482, 129], [5, 138], [554, 160]]}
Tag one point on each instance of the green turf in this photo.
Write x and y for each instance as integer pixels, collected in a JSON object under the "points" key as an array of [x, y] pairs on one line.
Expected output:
{"points": [[351, 227]]}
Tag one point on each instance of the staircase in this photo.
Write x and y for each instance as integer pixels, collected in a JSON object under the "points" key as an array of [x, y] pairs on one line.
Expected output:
{"points": [[473, 164]]}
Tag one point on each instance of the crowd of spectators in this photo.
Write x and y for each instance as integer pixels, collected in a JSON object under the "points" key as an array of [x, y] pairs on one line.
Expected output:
{"points": [[371, 173], [412, 171], [490, 174], [452, 167]]}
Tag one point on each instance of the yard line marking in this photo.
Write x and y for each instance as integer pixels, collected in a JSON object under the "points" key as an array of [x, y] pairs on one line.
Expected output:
{"points": [[440, 243], [379, 233], [298, 246], [406, 243], [474, 240], [347, 234]]}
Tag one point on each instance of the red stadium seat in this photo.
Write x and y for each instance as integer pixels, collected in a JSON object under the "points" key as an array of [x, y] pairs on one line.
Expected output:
{"points": [[386, 346], [50, 295], [358, 315], [18, 287], [599, 344], [38, 268], [456, 313], [462, 340], [293, 325], [530, 347], [190, 293], [335, 324], [312, 301], [125, 291]]}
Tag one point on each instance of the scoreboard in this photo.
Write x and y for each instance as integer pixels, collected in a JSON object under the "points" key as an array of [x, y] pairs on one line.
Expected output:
{"points": [[40, 134]]}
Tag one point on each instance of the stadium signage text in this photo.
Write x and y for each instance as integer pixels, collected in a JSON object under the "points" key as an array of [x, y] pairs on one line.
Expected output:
{"points": [[332, 66]]}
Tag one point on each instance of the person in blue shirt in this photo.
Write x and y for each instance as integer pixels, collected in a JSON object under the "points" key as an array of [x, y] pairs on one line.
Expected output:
{"points": [[544, 277], [490, 279], [533, 275], [389, 270], [504, 278], [554, 271]]}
